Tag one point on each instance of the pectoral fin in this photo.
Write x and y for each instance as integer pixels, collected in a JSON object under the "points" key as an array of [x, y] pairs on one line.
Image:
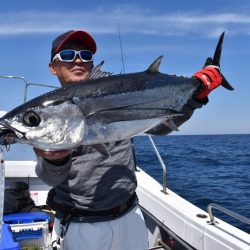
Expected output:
{"points": [[130, 114]]}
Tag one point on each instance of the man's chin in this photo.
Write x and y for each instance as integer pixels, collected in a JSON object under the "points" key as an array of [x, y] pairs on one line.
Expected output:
{"points": [[79, 78]]}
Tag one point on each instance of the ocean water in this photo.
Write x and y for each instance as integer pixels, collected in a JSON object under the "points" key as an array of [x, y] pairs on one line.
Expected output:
{"points": [[203, 169]]}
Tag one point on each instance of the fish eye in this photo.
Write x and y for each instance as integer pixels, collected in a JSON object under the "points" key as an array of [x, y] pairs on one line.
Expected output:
{"points": [[31, 119]]}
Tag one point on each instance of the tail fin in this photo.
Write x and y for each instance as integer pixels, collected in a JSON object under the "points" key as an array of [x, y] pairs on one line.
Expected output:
{"points": [[217, 52], [216, 61]]}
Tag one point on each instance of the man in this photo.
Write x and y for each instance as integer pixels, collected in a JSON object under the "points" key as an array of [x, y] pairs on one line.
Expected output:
{"points": [[93, 196]]}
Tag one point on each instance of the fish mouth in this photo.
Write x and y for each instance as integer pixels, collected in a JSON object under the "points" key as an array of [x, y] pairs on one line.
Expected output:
{"points": [[6, 136], [7, 132]]}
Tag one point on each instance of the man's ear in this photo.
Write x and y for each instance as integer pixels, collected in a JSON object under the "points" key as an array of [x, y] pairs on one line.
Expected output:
{"points": [[52, 68]]}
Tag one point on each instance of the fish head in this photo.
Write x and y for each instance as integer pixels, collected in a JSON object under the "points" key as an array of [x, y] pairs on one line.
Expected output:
{"points": [[52, 125]]}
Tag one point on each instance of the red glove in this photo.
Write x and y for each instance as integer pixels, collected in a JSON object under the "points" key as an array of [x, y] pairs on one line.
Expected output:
{"points": [[211, 79]]}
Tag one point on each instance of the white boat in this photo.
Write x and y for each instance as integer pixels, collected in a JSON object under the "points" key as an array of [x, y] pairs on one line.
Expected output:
{"points": [[172, 222]]}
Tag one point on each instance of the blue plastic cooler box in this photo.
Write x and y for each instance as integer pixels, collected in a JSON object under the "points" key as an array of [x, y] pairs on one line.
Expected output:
{"points": [[27, 226], [7, 242], [19, 218]]}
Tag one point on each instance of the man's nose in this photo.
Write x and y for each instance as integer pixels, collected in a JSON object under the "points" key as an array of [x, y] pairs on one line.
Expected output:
{"points": [[78, 59]]}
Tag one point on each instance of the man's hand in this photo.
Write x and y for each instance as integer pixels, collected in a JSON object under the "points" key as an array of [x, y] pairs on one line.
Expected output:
{"points": [[210, 78], [57, 157]]}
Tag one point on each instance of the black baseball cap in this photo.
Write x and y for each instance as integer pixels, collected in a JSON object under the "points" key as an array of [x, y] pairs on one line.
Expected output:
{"points": [[78, 35]]}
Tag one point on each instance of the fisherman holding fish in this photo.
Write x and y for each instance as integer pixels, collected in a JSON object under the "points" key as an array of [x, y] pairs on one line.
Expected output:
{"points": [[94, 186]]}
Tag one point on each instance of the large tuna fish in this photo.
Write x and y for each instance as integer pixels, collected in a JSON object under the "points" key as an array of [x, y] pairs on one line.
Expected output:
{"points": [[102, 110]]}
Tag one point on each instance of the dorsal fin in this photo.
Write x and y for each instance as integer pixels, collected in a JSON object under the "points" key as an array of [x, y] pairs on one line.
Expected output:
{"points": [[154, 67], [97, 73]]}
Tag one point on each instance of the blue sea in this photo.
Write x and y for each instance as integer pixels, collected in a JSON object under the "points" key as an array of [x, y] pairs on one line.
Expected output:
{"points": [[203, 169]]}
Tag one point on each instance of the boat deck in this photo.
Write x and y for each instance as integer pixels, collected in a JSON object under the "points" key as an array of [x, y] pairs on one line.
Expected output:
{"points": [[169, 217]]}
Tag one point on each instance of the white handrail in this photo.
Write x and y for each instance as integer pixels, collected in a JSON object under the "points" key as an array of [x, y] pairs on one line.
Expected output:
{"points": [[164, 169], [226, 211], [27, 84]]}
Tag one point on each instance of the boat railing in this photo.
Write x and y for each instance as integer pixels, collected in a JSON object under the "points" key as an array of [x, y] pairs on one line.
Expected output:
{"points": [[27, 84], [226, 211], [210, 206], [164, 169]]}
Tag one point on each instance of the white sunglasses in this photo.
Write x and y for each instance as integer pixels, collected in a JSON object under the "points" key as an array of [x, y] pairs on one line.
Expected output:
{"points": [[69, 55]]}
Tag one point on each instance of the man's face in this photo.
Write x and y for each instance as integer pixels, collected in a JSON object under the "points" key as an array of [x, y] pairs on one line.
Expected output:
{"points": [[71, 72]]}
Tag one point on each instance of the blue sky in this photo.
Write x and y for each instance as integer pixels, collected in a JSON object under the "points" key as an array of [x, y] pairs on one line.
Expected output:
{"points": [[185, 32]]}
